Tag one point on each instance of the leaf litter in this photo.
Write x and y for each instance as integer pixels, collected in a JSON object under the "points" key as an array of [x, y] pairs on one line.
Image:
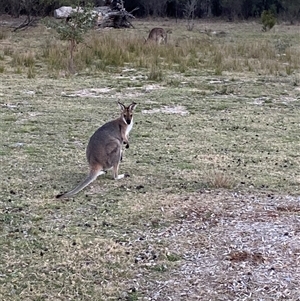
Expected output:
{"points": [[232, 247]]}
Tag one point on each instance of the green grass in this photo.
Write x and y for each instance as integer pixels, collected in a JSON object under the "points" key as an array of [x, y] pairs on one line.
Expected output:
{"points": [[113, 240]]}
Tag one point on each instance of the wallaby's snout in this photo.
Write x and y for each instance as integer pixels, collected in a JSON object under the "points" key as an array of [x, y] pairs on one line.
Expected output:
{"points": [[127, 116], [104, 150]]}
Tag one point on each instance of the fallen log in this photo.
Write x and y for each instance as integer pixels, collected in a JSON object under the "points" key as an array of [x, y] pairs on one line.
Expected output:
{"points": [[105, 16]]}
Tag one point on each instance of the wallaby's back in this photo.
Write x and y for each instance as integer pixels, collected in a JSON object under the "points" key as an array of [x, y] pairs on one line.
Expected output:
{"points": [[105, 144], [157, 35]]}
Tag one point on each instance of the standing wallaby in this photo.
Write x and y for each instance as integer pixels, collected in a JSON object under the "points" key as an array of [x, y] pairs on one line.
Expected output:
{"points": [[157, 35], [104, 150]]}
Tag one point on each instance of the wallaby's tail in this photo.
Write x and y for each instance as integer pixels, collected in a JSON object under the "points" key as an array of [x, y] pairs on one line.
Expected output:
{"points": [[90, 178]]}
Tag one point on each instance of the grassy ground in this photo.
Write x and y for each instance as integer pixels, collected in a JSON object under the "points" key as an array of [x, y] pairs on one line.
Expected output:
{"points": [[211, 207]]}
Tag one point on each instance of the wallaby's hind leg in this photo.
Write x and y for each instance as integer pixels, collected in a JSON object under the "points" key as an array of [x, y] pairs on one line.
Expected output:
{"points": [[94, 173], [116, 167], [115, 172]]}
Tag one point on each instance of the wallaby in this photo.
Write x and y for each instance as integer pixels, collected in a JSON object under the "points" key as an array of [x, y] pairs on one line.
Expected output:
{"points": [[104, 150], [157, 35]]}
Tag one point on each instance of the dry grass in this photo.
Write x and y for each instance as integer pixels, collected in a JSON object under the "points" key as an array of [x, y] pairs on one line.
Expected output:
{"points": [[211, 208], [217, 179], [219, 49]]}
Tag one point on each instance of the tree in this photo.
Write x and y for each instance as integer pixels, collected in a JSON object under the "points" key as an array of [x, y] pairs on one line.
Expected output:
{"points": [[15, 8], [291, 10], [231, 8], [288, 9], [189, 13], [30, 8], [268, 19], [73, 30], [156, 8]]}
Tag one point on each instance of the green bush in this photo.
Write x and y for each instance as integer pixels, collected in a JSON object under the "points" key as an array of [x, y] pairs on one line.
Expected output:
{"points": [[74, 30], [268, 20]]}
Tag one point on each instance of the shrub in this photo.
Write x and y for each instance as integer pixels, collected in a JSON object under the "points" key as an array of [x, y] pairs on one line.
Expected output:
{"points": [[218, 180], [3, 35], [31, 72], [8, 51], [23, 59], [73, 31], [268, 20], [155, 73]]}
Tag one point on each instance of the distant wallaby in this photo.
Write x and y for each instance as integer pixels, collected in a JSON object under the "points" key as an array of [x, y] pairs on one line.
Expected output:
{"points": [[104, 150], [157, 35]]}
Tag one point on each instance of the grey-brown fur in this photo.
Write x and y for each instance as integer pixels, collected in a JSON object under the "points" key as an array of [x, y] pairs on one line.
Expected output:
{"points": [[104, 150], [157, 35]]}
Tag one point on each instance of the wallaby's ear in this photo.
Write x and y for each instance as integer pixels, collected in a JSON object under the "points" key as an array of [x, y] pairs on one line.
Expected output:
{"points": [[132, 106], [122, 107]]}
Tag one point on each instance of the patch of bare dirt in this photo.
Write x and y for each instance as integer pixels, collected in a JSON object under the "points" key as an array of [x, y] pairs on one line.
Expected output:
{"points": [[232, 247], [180, 110], [88, 92], [103, 93]]}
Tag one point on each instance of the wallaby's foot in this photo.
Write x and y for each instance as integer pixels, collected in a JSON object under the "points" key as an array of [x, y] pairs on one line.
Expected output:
{"points": [[119, 177]]}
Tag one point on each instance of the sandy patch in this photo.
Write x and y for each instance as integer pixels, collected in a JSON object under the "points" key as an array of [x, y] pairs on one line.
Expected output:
{"points": [[97, 92], [180, 110]]}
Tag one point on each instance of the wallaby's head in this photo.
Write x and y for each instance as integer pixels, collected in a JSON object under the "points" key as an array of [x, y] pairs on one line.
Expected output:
{"points": [[127, 112]]}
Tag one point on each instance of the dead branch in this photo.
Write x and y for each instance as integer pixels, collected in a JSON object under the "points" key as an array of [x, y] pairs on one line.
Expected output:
{"points": [[28, 22]]}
